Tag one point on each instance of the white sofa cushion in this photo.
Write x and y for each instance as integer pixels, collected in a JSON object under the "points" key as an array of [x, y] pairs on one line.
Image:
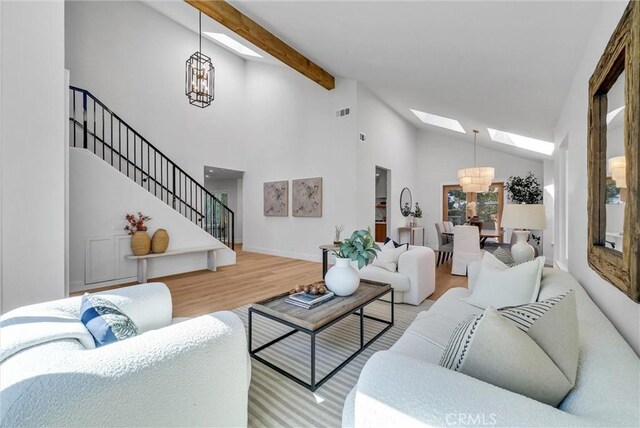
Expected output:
{"points": [[387, 257], [491, 348], [499, 285], [398, 281]]}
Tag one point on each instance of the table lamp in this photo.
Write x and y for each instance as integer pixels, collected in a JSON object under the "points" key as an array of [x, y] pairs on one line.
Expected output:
{"points": [[524, 217]]}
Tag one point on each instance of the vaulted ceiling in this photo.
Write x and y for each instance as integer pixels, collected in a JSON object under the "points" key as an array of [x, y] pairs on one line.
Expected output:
{"points": [[503, 65], [506, 65]]}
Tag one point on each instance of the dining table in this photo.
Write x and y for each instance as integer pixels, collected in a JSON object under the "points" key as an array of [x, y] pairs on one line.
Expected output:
{"points": [[484, 235]]}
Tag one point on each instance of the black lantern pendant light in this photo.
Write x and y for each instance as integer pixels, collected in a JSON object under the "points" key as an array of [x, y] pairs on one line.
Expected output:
{"points": [[200, 75]]}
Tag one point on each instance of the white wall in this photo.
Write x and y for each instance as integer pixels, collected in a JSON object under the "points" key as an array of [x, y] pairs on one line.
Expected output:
{"points": [[99, 198], [438, 160], [293, 133], [548, 198], [233, 187], [622, 311], [32, 153], [391, 144]]}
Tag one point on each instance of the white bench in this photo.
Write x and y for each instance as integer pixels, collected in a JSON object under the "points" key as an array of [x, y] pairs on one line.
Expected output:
{"points": [[142, 260]]}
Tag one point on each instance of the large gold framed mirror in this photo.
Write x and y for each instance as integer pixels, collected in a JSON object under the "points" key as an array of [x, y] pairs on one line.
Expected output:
{"points": [[614, 158]]}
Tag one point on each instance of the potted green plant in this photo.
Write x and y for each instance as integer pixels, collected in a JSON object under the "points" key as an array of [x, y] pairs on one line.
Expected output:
{"points": [[417, 215], [406, 212], [342, 279], [525, 190]]}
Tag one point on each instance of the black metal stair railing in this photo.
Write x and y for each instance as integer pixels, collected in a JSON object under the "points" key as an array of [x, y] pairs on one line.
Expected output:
{"points": [[93, 126]]}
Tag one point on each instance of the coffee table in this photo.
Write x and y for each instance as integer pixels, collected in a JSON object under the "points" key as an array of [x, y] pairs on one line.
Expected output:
{"points": [[314, 321]]}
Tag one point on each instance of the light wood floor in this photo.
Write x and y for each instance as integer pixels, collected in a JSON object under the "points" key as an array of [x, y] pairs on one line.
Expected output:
{"points": [[255, 277]]}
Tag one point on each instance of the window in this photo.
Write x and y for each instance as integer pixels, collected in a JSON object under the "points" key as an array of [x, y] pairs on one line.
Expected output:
{"points": [[489, 205]]}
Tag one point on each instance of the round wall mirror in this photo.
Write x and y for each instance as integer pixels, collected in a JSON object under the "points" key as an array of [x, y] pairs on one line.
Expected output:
{"points": [[405, 201]]}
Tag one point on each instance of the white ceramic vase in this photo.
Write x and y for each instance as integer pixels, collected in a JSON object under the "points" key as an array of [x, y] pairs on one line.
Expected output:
{"points": [[342, 278], [521, 251]]}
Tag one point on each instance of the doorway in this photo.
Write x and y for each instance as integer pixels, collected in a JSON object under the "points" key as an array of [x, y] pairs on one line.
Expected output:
{"points": [[381, 208], [226, 186]]}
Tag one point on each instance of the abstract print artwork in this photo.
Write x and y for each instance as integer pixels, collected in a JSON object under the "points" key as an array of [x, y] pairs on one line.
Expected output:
{"points": [[307, 197], [276, 199]]}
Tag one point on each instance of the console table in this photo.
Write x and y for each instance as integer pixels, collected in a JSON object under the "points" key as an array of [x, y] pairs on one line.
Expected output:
{"points": [[412, 233]]}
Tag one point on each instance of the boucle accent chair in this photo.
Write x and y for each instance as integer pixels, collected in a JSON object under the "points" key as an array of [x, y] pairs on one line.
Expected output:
{"points": [[405, 386], [176, 372], [413, 281]]}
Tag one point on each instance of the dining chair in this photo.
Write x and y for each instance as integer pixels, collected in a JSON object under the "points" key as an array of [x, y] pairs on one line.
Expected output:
{"points": [[445, 248], [448, 227], [466, 248], [490, 225]]}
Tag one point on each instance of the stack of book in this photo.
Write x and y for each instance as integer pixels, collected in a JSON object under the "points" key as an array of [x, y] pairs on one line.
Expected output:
{"points": [[308, 300]]}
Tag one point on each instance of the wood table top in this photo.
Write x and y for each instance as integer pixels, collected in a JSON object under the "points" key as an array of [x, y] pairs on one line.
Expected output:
{"points": [[313, 319], [489, 233]]}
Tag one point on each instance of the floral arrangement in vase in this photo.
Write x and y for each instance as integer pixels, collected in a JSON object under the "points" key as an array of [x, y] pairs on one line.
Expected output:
{"points": [[137, 228], [361, 248]]}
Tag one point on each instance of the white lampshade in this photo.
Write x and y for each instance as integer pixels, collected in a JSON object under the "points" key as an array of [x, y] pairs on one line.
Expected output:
{"points": [[477, 179], [618, 168], [524, 216]]}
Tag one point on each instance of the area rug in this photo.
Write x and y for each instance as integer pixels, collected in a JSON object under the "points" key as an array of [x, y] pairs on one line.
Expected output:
{"points": [[275, 401]]}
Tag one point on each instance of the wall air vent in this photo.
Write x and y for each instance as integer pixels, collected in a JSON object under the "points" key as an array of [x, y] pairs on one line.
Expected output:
{"points": [[343, 112]]}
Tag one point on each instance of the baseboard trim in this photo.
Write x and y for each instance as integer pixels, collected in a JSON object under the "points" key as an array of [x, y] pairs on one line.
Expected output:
{"points": [[287, 254]]}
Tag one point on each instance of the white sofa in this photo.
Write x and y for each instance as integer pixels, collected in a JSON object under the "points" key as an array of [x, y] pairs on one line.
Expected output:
{"points": [[406, 387], [415, 279], [180, 372]]}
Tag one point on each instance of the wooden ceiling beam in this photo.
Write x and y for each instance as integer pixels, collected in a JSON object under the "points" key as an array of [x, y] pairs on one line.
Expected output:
{"points": [[253, 32]]}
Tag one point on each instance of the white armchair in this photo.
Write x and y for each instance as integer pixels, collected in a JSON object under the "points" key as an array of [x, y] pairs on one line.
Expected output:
{"points": [[415, 279], [194, 372]]}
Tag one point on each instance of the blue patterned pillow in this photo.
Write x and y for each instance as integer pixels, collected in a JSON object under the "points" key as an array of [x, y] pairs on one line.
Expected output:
{"points": [[105, 321]]}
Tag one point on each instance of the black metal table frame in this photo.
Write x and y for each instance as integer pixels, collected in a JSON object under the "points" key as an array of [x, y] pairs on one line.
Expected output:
{"points": [[313, 385]]}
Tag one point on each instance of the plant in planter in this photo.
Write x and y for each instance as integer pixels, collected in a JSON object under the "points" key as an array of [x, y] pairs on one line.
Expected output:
{"points": [[406, 210], [417, 214], [525, 190], [137, 228], [342, 278]]}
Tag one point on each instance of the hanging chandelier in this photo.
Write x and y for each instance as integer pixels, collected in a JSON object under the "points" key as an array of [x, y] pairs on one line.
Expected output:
{"points": [[476, 179], [200, 75]]}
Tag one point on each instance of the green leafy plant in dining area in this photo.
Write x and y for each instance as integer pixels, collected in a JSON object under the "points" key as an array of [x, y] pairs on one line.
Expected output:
{"points": [[360, 247], [417, 212], [524, 190]]}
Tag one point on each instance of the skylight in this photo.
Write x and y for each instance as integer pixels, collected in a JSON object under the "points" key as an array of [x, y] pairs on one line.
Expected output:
{"points": [[532, 144], [612, 114], [232, 44], [442, 122]]}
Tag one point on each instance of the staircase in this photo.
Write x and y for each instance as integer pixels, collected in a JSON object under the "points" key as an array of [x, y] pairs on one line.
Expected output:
{"points": [[94, 127]]}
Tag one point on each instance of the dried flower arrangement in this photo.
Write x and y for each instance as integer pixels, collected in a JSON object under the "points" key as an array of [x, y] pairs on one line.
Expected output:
{"points": [[136, 224]]}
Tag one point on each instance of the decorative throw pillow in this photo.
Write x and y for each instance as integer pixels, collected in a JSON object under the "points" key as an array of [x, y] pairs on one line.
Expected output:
{"points": [[387, 257], [553, 324], [531, 350], [395, 244], [499, 285], [105, 321], [502, 255]]}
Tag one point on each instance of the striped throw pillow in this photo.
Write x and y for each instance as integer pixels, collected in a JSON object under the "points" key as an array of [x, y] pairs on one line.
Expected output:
{"points": [[105, 321], [530, 349]]}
